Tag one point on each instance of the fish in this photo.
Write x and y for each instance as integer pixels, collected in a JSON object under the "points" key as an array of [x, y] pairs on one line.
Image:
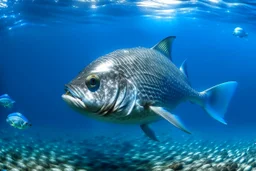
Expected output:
{"points": [[6, 101], [239, 32], [17, 120], [140, 86]]}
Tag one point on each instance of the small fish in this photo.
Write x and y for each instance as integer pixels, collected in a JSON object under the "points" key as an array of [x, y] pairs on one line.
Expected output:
{"points": [[6, 101], [17, 120], [140, 86], [239, 32]]}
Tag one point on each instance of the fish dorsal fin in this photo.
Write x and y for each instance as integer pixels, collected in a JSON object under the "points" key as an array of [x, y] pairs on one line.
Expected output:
{"points": [[184, 68], [165, 46]]}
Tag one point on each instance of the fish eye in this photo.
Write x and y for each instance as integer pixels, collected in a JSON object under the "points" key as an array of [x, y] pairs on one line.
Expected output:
{"points": [[28, 124], [92, 82]]}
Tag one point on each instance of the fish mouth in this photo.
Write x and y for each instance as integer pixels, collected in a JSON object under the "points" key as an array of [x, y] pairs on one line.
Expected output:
{"points": [[73, 97]]}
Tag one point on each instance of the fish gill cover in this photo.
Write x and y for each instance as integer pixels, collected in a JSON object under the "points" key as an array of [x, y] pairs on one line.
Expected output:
{"points": [[45, 43]]}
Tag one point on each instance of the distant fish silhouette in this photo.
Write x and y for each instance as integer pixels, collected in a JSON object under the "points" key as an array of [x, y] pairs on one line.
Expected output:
{"points": [[6, 101], [239, 32], [17, 120]]}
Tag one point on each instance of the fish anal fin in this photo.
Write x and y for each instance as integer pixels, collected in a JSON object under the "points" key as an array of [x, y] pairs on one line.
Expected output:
{"points": [[148, 131], [173, 119]]}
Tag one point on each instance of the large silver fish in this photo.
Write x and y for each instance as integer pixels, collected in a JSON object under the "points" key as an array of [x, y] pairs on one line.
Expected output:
{"points": [[140, 86]]}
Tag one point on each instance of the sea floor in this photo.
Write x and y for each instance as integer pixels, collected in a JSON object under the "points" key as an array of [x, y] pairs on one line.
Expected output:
{"points": [[102, 153]]}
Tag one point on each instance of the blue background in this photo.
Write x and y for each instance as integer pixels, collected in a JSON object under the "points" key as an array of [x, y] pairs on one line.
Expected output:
{"points": [[37, 60]]}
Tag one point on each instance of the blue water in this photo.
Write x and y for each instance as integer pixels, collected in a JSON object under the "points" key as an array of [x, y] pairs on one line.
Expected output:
{"points": [[44, 44]]}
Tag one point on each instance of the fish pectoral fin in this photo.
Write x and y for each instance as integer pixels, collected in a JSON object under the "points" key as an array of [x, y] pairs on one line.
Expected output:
{"points": [[12, 123], [148, 131], [165, 46], [173, 119], [23, 124]]}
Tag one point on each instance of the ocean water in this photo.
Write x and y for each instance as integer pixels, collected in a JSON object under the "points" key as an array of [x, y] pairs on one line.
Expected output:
{"points": [[46, 43]]}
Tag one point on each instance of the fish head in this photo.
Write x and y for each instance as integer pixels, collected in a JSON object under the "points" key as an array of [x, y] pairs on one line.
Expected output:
{"points": [[100, 89], [26, 125]]}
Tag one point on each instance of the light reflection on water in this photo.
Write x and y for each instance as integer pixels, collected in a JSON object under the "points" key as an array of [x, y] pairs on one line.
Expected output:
{"points": [[18, 13]]}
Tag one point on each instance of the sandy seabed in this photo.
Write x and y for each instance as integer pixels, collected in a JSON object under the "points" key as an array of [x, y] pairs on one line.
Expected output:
{"points": [[102, 153]]}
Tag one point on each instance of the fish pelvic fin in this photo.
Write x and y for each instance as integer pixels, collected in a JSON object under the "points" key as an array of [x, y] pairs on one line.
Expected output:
{"points": [[148, 131], [165, 46], [173, 119], [215, 100]]}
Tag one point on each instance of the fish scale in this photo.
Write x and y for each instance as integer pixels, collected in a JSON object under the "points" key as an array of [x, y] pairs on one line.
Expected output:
{"points": [[160, 78], [164, 76]]}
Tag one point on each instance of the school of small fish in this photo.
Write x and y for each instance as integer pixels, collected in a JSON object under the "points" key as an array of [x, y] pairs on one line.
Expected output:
{"points": [[16, 119]]}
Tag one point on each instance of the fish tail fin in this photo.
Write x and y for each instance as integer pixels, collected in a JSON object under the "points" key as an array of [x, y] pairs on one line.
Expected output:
{"points": [[215, 100]]}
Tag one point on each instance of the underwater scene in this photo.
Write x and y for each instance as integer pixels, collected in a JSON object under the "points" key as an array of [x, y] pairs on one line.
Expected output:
{"points": [[127, 85]]}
